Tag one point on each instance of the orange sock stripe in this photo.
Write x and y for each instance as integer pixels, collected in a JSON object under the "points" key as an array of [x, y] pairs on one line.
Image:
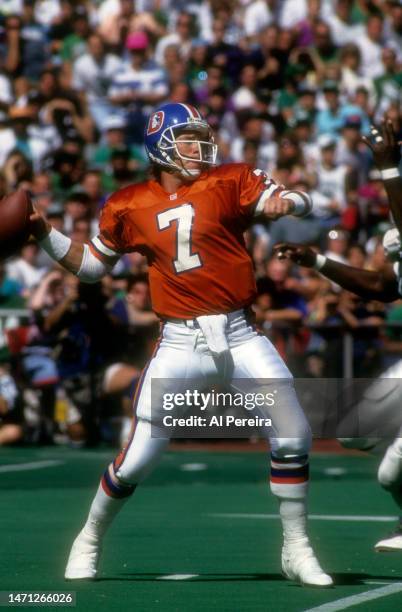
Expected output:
{"points": [[291, 480]]}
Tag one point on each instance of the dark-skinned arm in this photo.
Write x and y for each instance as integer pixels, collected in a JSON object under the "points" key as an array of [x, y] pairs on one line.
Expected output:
{"points": [[367, 284], [386, 152]]}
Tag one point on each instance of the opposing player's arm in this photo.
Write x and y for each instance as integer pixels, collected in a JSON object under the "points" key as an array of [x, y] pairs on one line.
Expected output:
{"points": [[367, 284], [86, 261]]}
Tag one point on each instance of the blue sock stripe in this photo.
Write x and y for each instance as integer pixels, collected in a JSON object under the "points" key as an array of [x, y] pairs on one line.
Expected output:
{"points": [[293, 473], [117, 489]]}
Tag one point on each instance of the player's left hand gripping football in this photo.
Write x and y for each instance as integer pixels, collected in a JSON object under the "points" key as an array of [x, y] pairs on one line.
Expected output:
{"points": [[38, 225], [298, 253], [384, 145], [276, 207]]}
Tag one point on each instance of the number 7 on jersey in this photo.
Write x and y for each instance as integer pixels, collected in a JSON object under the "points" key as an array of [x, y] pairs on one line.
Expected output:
{"points": [[183, 215]]}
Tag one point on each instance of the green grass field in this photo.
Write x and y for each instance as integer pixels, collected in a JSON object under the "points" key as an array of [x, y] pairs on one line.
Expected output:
{"points": [[203, 522]]}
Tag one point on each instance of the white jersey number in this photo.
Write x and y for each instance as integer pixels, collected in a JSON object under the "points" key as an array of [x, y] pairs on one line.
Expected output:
{"points": [[184, 215]]}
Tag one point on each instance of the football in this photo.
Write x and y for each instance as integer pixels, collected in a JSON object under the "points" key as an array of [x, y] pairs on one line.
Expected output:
{"points": [[15, 210]]}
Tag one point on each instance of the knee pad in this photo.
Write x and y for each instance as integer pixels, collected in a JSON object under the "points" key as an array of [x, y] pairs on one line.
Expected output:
{"points": [[114, 486], [292, 447]]}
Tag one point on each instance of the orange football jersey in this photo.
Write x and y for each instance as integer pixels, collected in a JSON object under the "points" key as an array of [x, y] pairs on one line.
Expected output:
{"points": [[193, 239]]}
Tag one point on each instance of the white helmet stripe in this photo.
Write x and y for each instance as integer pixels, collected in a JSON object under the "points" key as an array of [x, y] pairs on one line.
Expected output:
{"points": [[193, 112]]}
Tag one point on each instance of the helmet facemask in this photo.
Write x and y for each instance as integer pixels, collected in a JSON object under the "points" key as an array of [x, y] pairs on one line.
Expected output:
{"points": [[207, 149]]}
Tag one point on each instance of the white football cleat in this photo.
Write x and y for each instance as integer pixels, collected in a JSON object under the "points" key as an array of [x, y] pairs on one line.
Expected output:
{"points": [[83, 561], [393, 543], [300, 563]]}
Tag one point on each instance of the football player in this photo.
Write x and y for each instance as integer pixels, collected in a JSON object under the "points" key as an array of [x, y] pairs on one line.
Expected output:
{"points": [[381, 402], [189, 222]]}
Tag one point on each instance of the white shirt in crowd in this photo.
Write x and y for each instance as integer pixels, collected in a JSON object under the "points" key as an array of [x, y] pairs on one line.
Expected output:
{"points": [[6, 92], [150, 79], [8, 389], [171, 39], [25, 273], [257, 16], [343, 33], [371, 65], [95, 78], [46, 11], [331, 183]]}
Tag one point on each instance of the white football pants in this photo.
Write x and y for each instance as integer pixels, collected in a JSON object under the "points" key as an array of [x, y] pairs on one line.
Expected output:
{"points": [[182, 358]]}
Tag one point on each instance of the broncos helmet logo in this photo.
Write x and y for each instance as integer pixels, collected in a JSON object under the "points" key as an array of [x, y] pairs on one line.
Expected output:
{"points": [[155, 122]]}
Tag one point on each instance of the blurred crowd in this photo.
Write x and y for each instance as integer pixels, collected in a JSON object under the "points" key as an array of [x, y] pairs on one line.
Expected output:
{"points": [[289, 86]]}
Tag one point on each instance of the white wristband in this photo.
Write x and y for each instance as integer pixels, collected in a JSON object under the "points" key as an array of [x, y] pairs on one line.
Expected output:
{"points": [[302, 202], [320, 261], [56, 244], [389, 173]]}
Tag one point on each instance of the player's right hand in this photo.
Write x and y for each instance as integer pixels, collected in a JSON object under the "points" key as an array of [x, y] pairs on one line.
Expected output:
{"points": [[276, 207], [298, 253]]}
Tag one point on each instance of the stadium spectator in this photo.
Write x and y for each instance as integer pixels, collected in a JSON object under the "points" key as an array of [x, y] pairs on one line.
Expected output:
{"points": [[117, 18], [257, 16], [222, 53], [93, 73], [393, 28], [388, 84], [75, 44], [140, 84], [344, 28], [11, 419], [331, 176], [114, 137], [24, 269], [324, 48], [77, 207], [246, 95], [351, 151], [351, 77], [181, 37], [370, 46], [337, 245]]}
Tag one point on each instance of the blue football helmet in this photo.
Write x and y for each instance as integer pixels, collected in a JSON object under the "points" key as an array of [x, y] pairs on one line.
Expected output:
{"points": [[170, 121]]}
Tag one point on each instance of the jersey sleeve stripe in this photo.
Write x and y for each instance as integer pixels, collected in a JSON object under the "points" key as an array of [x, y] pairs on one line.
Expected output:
{"points": [[98, 249], [102, 248]]}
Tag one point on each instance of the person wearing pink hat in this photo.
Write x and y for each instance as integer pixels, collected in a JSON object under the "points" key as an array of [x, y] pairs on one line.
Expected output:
{"points": [[139, 85]]}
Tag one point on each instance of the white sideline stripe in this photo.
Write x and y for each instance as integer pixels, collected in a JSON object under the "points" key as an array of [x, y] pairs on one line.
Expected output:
{"points": [[354, 600], [177, 577], [33, 465], [193, 467], [317, 517]]}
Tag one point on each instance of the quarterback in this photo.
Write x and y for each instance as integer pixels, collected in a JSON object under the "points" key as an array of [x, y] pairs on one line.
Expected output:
{"points": [[189, 222]]}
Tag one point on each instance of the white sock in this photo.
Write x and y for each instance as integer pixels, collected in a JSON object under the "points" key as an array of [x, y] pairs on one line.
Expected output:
{"points": [[293, 513], [101, 514]]}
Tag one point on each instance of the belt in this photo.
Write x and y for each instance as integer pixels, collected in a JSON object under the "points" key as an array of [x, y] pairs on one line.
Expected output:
{"points": [[193, 323]]}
